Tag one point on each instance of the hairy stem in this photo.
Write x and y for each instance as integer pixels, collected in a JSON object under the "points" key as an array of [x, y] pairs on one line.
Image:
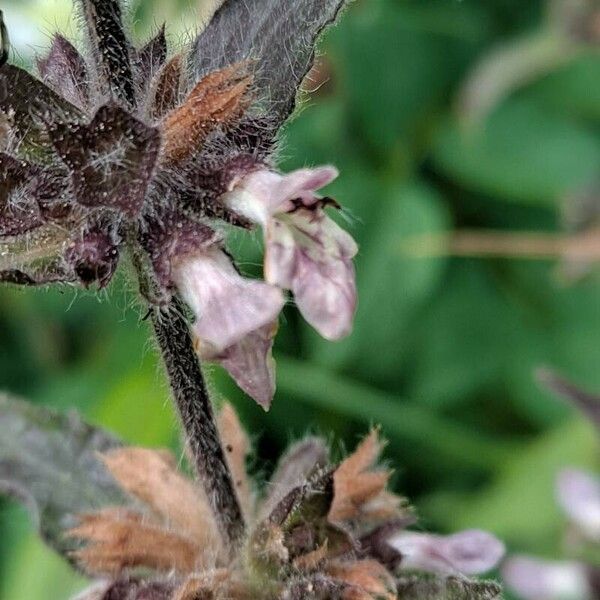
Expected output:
{"points": [[197, 417], [193, 402]]}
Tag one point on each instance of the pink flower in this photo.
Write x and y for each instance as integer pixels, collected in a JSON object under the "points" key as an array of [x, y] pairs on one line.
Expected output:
{"points": [[469, 552], [306, 251], [578, 493], [534, 579], [235, 318]]}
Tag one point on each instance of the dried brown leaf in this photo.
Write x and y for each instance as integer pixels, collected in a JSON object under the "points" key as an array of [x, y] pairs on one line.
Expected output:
{"points": [[220, 583], [237, 446], [366, 580], [117, 541], [356, 483], [218, 99], [151, 476]]}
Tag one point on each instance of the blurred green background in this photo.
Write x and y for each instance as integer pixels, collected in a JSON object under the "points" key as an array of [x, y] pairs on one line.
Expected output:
{"points": [[444, 348]]}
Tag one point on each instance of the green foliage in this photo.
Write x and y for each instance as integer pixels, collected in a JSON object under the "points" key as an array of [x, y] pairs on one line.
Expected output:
{"points": [[443, 351]]}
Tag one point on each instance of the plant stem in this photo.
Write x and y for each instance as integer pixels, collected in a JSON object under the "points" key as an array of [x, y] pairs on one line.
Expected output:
{"points": [[197, 417], [191, 399]]}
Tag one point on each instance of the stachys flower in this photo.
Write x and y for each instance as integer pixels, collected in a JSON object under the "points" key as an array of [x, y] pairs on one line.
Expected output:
{"points": [[120, 148]]}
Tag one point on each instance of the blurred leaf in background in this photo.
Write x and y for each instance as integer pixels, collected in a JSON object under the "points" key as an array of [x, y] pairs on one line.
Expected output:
{"points": [[444, 348]]}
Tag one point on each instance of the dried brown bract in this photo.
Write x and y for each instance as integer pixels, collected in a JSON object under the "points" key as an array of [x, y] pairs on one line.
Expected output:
{"points": [[303, 541]]}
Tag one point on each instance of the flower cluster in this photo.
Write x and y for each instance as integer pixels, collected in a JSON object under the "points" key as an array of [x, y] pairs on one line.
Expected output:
{"points": [[125, 148], [317, 531]]}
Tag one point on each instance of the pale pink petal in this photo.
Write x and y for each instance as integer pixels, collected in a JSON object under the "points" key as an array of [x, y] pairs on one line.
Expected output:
{"points": [[280, 254], [264, 193], [578, 493], [304, 183], [227, 306], [250, 363], [534, 579], [308, 253], [469, 552]]}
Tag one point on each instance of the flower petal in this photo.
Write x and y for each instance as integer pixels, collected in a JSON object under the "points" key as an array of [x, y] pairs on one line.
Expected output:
{"points": [[250, 363], [534, 579], [263, 193], [469, 552], [578, 493], [310, 254], [228, 307]]}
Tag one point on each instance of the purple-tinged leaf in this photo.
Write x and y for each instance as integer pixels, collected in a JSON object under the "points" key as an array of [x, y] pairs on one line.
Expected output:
{"points": [[50, 462], [151, 57], [111, 48], [586, 402], [111, 160], [29, 106], [19, 211], [297, 465], [36, 258], [64, 70], [279, 37], [166, 88]]}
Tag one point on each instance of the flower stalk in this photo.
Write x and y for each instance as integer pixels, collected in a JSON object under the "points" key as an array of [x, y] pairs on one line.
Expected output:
{"points": [[193, 405], [197, 417]]}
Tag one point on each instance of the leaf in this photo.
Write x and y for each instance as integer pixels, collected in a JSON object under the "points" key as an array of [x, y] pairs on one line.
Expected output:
{"points": [[396, 64], [526, 483], [237, 446], [49, 462], [218, 99], [65, 71], [279, 37], [19, 211], [151, 476], [36, 258], [574, 90], [506, 69], [152, 56], [357, 482], [111, 160], [447, 589], [302, 460], [30, 104], [444, 439], [523, 154]]}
